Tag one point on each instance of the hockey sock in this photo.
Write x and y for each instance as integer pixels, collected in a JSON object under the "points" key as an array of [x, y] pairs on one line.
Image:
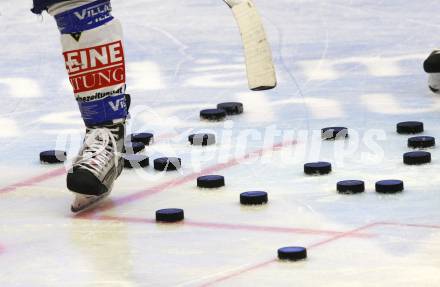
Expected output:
{"points": [[93, 52]]}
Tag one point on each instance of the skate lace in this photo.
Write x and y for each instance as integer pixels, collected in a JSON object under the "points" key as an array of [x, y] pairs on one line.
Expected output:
{"points": [[98, 150]]}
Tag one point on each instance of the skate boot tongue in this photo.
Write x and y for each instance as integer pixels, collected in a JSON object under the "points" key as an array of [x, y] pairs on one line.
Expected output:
{"points": [[101, 132], [108, 136], [98, 148]]}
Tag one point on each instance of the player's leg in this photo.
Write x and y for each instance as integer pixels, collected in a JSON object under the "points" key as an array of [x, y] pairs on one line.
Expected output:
{"points": [[432, 67], [93, 52]]}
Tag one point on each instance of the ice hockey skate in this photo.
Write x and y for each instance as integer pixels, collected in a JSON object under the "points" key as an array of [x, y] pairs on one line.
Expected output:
{"points": [[97, 166]]}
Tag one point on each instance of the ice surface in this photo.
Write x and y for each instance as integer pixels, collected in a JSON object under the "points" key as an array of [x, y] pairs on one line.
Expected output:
{"points": [[339, 62]]}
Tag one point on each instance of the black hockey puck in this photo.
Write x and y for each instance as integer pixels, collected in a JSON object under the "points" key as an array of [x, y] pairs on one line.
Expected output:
{"points": [[293, 253], [389, 186], [167, 163], [431, 64], [411, 127], [332, 133], [421, 142], [136, 160], [253, 198], [231, 108], [350, 186], [202, 139], [134, 147], [210, 181], [321, 167], [213, 114], [416, 157], [169, 215], [52, 156], [145, 138]]}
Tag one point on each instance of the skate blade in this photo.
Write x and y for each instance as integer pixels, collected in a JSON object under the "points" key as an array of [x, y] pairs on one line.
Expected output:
{"points": [[89, 204]]}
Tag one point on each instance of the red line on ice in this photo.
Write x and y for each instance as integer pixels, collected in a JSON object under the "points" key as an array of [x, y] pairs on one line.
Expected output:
{"points": [[234, 226], [267, 262], [34, 180], [179, 181], [429, 226], [350, 233]]}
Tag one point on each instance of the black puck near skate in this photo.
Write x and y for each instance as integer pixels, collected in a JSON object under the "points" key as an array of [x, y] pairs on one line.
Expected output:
{"points": [[145, 138], [292, 253], [411, 127], [314, 168], [213, 114], [421, 142], [136, 160], [253, 198], [134, 147], [416, 157], [231, 108], [332, 133], [169, 215], [432, 63], [389, 186], [210, 181], [167, 163], [350, 186], [202, 139], [53, 156]]}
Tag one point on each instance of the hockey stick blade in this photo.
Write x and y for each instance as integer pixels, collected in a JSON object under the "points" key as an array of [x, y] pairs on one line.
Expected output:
{"points": [[259, 65]]}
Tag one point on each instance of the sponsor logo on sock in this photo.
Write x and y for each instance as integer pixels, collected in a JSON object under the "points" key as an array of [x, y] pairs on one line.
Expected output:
{"points": [[118, 104], [76, 36], [94, 11], [100, 95], [96, 67], [85, 17]]}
